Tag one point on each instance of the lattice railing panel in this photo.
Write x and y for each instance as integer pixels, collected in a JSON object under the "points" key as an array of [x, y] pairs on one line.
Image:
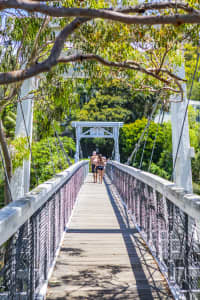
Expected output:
{"points": [[158, 209], [28, 255]]}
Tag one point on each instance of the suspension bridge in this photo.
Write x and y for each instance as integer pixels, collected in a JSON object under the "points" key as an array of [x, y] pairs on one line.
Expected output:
{"points": [[136, 236]]}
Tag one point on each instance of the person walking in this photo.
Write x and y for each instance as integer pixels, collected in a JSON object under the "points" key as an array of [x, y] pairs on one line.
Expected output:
{"points": [[100, 167], [93, 162]]}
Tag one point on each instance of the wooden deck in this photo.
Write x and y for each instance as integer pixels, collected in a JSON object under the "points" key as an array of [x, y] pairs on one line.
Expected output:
{"points": [[102, 255]]}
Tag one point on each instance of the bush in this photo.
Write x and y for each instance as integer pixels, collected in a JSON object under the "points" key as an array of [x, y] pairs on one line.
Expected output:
{"points": [[159, 171], [48, 159], [196, 188], [130, 135]]}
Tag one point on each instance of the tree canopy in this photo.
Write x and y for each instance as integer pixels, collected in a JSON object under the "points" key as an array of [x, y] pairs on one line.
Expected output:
{"points": [[115, 100], [138, 42]]}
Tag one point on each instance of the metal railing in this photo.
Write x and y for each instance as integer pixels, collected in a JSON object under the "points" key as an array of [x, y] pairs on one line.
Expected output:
{"points": [[31, 230], [169, 221]]}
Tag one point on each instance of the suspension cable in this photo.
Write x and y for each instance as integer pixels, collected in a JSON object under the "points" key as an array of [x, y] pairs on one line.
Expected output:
{"points": [[144, 146], [140, 140], [134, 152], [51, 155], [25, 126], [141, 160], [58, 149], [160, 121], [185, 115], [62, 147]]}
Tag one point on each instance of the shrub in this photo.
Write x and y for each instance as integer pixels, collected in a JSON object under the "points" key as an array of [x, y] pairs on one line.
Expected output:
{"points": [[130, 135], [48, 158]]}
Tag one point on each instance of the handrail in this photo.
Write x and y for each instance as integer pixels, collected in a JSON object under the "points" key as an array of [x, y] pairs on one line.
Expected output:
{"points": [[189, 203], [168, 219], [15, 214]]}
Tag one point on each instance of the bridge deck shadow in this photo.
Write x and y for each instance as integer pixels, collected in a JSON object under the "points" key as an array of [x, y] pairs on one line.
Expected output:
{"points": [[102, 255]]}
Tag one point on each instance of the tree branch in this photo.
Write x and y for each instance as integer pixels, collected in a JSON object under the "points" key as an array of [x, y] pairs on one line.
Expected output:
{"points": [[42, 27], [172, 75], [127, 65], [153, 90], [159, 6], [32, 6], [123, 65], [52, 61], [149, 6], [46, 65], [5, 151]]}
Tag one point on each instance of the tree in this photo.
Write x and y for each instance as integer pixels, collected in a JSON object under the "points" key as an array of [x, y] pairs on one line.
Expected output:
{"points": [[132, 27], [130, 135], [20, 44], [48, 158], [55, 101], [190, 53], [116, 101]]}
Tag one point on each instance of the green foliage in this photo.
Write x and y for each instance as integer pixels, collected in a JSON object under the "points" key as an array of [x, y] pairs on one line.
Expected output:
{"points": [[164, 165], [195, 90], [157, 170], [196, 167], [105, 108], [165, 162], [9, 120], [194, 130], [115, 101], [121, 42], [196, 188], [190, 54], [194, 127], [56, 100], [19, 151], [48, 157], [103, 146], [130, 135]]}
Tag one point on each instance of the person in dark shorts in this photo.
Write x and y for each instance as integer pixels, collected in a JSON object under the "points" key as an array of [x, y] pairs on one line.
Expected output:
{"points": [[100, 167], [93, 161]]}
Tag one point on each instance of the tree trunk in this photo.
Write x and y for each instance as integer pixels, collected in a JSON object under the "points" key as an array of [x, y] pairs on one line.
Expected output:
{"points": [[8, 164]]}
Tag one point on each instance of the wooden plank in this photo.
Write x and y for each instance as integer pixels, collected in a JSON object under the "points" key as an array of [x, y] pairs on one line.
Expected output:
{"points": [[103, 255]]}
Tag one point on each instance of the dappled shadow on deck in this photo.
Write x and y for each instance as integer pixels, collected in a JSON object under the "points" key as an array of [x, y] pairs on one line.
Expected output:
{"points": [[101, 279], [139, 256]]}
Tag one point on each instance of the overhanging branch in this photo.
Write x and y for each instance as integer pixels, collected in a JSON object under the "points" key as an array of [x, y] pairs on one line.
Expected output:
{"points": [[46, 65], [193, 17], [50, 62]]}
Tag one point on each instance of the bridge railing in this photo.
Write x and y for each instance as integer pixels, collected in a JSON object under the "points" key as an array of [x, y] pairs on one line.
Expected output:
{"points": [[169, 220], [31, 231]]}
